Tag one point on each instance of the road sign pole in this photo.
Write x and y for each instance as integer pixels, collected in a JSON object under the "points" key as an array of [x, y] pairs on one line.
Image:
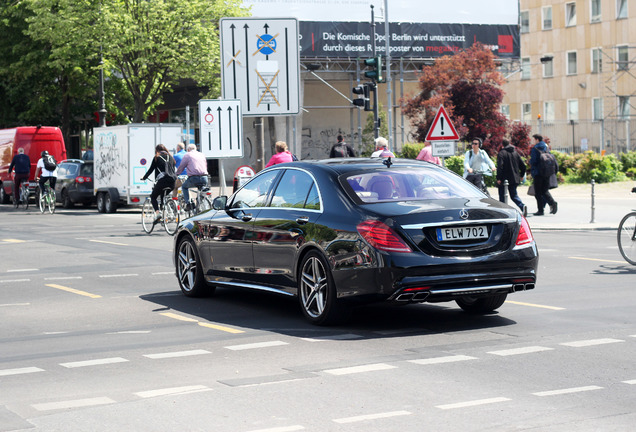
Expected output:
{"points": [[376, 122], [260, 143]]}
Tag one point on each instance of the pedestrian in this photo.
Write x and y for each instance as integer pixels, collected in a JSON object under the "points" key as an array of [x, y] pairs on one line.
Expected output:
{"points": [[282, 154], [478, 164], [22, 165], [341, 149], [163, 166], [48, 169], [196, 165], [426, 154], [179, 154], [510, 167], [541, 176], [381, 144]]}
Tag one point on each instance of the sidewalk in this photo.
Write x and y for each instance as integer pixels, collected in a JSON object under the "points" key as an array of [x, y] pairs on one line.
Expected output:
{"points": [[612, 201]]}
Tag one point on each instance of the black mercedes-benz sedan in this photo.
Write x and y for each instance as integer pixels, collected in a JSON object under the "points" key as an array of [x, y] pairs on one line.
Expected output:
{"points": [[338, 232]]}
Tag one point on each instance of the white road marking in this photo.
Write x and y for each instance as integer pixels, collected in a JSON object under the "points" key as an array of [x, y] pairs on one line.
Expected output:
{"points": [[446, 359], [19, 371], [347, 336], [173, 391], [535, 305], [360, 369], [131, 331], [281, 429], [371, 417], [177, 354], [256, 345], [518, 351], [15, 304], [630, 381], [96, 362], [162, 273], [108, 242], [15, 280], [118, 275], [567, 391], [63, 278], [73, 404], [22, 270], [591, 342], [473, 403]]}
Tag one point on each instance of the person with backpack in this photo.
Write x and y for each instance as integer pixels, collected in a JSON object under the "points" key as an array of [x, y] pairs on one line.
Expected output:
{"points": [[341, 149], [477, 164], [47, 166], [543, 165], [163, 165], [510, 167]]}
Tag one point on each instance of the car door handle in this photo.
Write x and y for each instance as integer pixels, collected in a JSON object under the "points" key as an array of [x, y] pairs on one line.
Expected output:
{"points": [[302, 220], [246, 217]]}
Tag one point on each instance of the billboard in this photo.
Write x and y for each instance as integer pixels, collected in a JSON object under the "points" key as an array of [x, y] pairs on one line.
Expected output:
{"points": [[417, 28]]}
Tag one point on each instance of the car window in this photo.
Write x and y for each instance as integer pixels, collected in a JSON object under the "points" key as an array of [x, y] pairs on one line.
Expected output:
{"points": [[313, 199], [292, 190], [86, 170], [254, 193], [408, 184]]}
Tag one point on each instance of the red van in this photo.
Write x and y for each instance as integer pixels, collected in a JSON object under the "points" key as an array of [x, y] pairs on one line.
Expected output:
{"points": [[34, 140]]}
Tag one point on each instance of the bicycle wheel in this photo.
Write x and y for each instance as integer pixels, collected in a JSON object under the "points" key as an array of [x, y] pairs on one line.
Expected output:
{"points": [[170, 216], [51, 201], [25, 198], [148, 216], [626, 238], [204, 204], [42, 201]]}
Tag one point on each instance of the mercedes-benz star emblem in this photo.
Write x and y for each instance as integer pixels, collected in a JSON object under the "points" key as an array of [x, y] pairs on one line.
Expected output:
{"points": [[463, 214]]}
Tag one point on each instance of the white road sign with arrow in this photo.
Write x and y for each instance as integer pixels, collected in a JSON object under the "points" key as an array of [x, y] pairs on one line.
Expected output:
{"points": [[260, 64], [221, 128]]}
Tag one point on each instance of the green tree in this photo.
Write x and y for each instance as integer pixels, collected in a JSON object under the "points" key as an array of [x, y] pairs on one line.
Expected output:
{"points": [[368, 133], [148, 45]]}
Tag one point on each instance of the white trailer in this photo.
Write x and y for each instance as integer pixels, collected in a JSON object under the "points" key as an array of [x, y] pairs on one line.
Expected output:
{"points": [[122, 155]]}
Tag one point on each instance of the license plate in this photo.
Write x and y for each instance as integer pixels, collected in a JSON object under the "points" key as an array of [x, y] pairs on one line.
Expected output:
{"points": [[462, 233]]}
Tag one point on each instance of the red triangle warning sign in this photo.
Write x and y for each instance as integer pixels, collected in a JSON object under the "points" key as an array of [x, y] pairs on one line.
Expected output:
{"points": [[442, 129]]}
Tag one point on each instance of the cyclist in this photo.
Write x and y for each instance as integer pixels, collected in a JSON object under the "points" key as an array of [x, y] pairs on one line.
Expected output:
{"points": [[477, 163], [22, 165], [163, 165], [197, 169], [50, 176]]}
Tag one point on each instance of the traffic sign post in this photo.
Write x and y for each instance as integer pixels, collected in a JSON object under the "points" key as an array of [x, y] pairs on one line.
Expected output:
{"points": [[260, 64], [442, 128], [221, 128]]}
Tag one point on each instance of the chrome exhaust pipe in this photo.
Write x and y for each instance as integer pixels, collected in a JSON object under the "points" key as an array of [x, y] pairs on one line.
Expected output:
{"points": [[405, 297], [529, 286], [421, 296], [518, 287]]}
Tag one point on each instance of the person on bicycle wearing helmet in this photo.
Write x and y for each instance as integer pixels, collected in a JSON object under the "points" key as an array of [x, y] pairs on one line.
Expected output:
{"points": [[163, 165], [50, 176]]}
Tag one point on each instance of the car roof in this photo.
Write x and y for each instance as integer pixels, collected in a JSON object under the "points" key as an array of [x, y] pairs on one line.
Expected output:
{"points": [[346, 165]]}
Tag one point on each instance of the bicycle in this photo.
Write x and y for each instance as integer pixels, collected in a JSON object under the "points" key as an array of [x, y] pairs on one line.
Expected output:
{"points": [[46, 199], [169, 213], [23, 196], [626, 236]]}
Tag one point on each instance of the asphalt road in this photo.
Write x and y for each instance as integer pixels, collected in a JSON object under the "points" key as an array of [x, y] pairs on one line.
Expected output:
{"points": [[96, 336]]}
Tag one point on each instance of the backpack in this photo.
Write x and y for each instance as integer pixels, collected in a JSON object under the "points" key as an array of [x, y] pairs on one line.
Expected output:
{"points": [[50, 164], [340, 150], [547, 164]]}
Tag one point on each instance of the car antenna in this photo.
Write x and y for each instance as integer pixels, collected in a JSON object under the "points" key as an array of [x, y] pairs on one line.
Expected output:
{"points": [[387, 162]]}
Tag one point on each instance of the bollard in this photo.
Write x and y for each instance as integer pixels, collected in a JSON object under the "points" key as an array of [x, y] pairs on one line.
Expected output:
{"points": [[592, 220], [505, 186]]}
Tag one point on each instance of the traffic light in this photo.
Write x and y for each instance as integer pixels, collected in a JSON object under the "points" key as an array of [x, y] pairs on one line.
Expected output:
{"points": [[363, 101], [375, 73]]}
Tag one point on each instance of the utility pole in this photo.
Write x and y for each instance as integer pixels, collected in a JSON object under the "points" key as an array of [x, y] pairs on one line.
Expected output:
{"points": [[376, 118], [389, 96]]}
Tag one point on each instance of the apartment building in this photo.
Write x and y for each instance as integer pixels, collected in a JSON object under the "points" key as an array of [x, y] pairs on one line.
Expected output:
{"points": [[576, 78]]}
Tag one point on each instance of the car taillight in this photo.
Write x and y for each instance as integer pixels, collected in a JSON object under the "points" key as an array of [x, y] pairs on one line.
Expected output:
{"points": [[80, 179], [381, 237], [525, 234]]}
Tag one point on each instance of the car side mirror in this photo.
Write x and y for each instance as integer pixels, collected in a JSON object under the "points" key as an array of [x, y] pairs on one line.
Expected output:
{"points": [[219, 202]]}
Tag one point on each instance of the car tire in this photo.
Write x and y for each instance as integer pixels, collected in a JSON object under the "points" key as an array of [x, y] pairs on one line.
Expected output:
{"points": [[66, 200], [481, 305], [101, 205], [189, 270], [110, 206], [317, 292], [4, 197]]}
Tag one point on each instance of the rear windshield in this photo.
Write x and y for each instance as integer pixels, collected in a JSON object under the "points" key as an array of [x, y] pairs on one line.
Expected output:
{"points": [[410, 184]]}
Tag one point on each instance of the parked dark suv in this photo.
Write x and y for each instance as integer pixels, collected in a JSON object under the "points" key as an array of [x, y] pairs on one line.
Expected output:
{"points": [[74, 182]]}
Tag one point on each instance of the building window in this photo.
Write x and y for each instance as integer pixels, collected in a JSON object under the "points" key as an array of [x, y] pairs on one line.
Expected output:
{"points": [[505, 110], [595, 11], [571, 62], [526, 112], [597, 109], [525, 68], [623, 107], [548, 66], [573, 109], [597, 60], [548, 111], [623, 58], [524, 22], [546, 18], [621, 9], [570, 14]]}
